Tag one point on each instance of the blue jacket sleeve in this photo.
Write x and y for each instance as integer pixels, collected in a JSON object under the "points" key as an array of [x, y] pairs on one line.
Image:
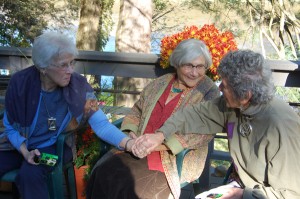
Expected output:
{"points": [[12, 134], [105, 130]]}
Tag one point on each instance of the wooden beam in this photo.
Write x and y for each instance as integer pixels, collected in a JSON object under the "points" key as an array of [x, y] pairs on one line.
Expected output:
{"points": [[139, 65]]}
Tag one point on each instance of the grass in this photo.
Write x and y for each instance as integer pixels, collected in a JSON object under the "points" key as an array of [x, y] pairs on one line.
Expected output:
{"points": [[220, 144]]}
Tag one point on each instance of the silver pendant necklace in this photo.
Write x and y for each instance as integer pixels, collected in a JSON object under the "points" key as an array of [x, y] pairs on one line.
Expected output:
{"points": [[51, 120], [245, 128]]}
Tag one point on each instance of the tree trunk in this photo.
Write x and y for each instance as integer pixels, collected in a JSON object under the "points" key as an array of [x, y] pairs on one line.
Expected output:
{"points": [[88, 31], [134, 27], [87, 34], [133, 35]]}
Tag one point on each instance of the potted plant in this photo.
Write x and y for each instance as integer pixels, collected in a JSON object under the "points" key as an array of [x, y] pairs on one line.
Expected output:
{"points": [[88, 152], [88, 148]]}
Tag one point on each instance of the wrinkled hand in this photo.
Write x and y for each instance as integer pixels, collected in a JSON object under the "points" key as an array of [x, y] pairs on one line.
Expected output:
{"points": [[233, 193], [132, 134], [147, 143], [229, 191], [130, 143], [29, 156]]}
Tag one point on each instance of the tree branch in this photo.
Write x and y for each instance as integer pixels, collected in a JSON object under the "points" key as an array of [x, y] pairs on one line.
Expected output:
{"points": [[157, 16]]}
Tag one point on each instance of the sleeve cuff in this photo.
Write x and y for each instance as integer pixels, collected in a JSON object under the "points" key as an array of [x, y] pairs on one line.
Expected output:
{"points": [[174, 145], [105, 130], [129, 127], [166, 135], [16, 141], [247, 194]]}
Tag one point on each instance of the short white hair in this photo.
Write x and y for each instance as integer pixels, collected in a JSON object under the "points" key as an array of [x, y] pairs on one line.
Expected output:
{"points": [[188, 50], [49, 45]]}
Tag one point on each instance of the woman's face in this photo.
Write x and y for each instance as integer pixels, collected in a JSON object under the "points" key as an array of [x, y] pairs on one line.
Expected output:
{"points": [[191, 73], [228, 94], [59, 72]]}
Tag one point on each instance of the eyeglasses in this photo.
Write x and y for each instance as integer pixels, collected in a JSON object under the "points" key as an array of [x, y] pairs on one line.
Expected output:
{"points": [[65, 66], [190, 66]]}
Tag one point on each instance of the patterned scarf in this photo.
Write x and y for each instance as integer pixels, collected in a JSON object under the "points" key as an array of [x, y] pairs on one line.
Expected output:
{"points": [[23, 93]]}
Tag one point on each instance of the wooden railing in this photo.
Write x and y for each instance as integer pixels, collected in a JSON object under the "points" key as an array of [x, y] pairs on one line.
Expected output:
{"points": [[285, 73], [140, 65]]}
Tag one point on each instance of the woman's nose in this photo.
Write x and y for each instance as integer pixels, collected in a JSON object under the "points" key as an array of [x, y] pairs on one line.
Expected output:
{"points": [[194, 71]]}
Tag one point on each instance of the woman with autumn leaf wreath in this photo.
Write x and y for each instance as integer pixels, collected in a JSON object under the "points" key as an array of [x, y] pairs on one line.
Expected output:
{"points": [[156, 176]]}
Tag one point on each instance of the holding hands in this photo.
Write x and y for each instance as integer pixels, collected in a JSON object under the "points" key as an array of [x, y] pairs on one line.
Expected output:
{"points": [[147, 143]]}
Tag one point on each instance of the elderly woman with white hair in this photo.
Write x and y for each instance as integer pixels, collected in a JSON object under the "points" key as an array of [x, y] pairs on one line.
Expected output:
{"points": [[156, 176], [42, 101], [263, 132]]}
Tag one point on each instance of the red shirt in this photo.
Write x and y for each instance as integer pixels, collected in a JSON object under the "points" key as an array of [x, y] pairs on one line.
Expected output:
{"points": [[160, 114]]}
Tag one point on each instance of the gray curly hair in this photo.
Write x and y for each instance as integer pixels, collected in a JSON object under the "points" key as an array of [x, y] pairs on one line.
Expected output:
{"points": [[246, 71]]}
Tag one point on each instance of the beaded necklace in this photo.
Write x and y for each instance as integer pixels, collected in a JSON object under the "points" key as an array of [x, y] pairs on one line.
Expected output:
{"points": [[176, 90], [181, 98], [185, 93]]}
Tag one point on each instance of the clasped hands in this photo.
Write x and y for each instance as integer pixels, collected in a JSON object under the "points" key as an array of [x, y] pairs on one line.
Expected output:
{"points": [[145, 144]]}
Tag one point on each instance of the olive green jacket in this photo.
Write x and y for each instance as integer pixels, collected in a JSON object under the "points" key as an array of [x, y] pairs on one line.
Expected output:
{"points": [[267, 160]]}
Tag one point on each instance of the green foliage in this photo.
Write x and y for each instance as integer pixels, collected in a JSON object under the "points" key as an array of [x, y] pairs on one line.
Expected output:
{"points": [[106, 99], [222, 12], [22, 20], [288, 94], [215, 163], [105, 83], [91, 162], [159, 5], [220, 145], [161, 9], [246, 19], [88, 144], [288, 52], [106, 22]]}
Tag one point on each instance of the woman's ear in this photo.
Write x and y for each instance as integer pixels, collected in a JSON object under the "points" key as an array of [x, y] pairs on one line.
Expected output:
{"points": [[246, 101]]}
